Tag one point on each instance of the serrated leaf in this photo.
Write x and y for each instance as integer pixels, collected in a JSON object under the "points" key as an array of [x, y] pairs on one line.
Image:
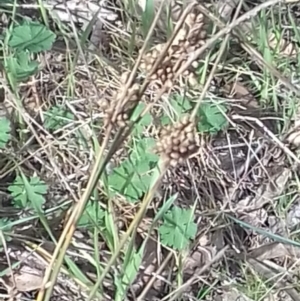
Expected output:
{"points": [[212, 118], [131, 180], [178, 228], [39, 186], [142, 167], [20, 67], [146, 119], [31, 36], [142, 151], [121, 181], [28, 192], [133, 177], [18, 192], [165, 120], [4, 131], [141, 182]]}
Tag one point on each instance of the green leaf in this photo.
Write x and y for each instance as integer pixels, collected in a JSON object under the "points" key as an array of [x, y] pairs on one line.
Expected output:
{"points": [[148, 15], [165, 120], [211, 118], [124, 181], [5, 224], [31, 36], [29, 193], [142, 151], [130, 270], [110, 229], [93, 214], [178, 228], [4, 131], [20, 67], [57, 117], [133, 177], [145, 121], [133, 266], [18, 192], [180, 105]]}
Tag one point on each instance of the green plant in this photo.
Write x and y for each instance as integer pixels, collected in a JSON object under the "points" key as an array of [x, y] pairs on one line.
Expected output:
{"points": [[57, 117], [28, 193], [92, 215], [178, 228], [19, 67], [4, 131], [145, 121], [180, 105], [5, 226], [23, 40], [148, 15], [133, 177], [211, 118], [130, 269], [31, 36]]}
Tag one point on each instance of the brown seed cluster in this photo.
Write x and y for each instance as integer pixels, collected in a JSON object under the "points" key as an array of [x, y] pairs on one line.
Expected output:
{"points": [[115, 112], [178, 142], [189, 38]]}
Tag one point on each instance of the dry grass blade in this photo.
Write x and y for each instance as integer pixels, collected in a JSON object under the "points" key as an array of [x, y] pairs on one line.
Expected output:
{"points": [[272, 136], [29, 122], [141, 297], [218, 151]]}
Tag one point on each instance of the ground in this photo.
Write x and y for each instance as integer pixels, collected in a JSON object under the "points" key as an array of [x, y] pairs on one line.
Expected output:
{"points": [[149, 150]]}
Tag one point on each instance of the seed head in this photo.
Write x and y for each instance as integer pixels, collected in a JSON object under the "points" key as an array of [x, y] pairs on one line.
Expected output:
{"points": [[116, 111], [178, 142], [190, 37]]}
